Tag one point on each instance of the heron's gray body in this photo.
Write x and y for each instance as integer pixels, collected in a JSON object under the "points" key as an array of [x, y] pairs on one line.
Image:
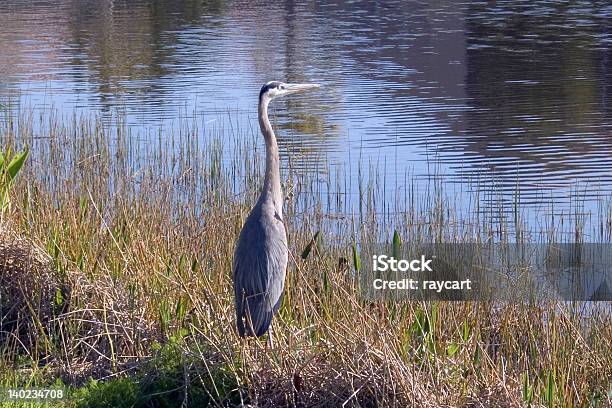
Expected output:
{"points": [[260, 259], [260, 263]]}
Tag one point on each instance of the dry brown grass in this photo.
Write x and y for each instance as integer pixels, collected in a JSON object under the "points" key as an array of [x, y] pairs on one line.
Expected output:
{"points": [[27, 290], [140, 251]]}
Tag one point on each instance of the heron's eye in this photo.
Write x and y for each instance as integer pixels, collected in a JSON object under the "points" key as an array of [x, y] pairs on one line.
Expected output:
{"points": [[281, 86]]}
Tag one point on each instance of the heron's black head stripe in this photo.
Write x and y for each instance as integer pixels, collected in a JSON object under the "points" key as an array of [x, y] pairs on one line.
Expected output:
{"points": [[268, 86]]}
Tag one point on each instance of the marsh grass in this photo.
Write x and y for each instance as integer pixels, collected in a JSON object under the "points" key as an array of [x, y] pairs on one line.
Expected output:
{"points": [[140, 230]]}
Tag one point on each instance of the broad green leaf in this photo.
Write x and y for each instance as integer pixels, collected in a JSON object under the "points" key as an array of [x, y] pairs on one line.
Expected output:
{"points": [[452, 349], [181, 308], [397, 243], [476, 358], [356, 259], [466, 331], [326, 284], [59, 299], [527, 389], [16, 164], [310, 245], [550, 389]]}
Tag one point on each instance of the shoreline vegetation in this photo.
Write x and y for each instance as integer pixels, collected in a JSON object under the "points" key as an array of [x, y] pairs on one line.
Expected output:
{"points": [[116, 285]]}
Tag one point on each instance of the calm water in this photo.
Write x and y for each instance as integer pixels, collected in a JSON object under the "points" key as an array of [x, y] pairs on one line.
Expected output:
{"points": [[514, 94]]}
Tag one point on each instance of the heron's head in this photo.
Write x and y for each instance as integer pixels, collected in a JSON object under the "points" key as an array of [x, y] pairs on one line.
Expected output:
{"points": [[276, 89]]}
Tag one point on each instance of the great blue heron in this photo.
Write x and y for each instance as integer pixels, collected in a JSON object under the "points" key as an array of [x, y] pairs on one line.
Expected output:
{"points": [[260, 259]]}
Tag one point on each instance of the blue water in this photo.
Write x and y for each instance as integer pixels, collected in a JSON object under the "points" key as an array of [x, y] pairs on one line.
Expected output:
{"points": [[495, 96]]}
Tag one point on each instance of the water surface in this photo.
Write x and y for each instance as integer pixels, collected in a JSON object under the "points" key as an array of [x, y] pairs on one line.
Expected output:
{"points": [[503, 96]]}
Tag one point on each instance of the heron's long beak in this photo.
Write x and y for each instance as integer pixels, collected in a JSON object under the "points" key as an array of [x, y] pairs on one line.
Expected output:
{"points": [[295, 88]]}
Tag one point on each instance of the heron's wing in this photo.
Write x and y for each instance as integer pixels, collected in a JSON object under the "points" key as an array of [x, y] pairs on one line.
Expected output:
{"points": [[260, 263]]}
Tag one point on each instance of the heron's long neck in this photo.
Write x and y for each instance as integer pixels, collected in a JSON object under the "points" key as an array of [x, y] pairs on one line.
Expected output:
{"points": [[272, 185]]}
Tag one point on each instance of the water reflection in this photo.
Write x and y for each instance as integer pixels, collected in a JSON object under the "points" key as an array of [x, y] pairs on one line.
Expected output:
{"points": [[536, 85], [491, 90]]}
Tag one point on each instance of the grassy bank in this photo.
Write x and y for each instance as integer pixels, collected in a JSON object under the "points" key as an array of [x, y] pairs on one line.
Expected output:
{"points": [[125, 296]]}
